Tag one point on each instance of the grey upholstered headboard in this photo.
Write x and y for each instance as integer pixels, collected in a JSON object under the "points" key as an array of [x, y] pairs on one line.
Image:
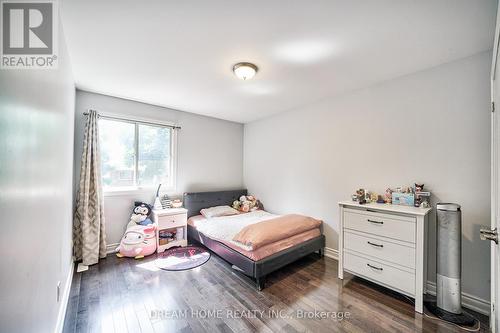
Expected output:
{"points": [[195, 201]]}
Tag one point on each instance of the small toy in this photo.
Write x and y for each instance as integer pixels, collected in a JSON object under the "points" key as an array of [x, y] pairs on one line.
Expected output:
{"points": [[380, 199], [245, 207], [236, 204], [361, 196], [140, 215], [406, 189], [354, 197], [137, 242], [425, 204], [373, 196], [388, 196], [418, 200], [419, 187]]}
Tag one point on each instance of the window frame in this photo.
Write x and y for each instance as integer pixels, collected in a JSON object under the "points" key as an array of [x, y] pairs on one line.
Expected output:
{"points": [[138, 189]]}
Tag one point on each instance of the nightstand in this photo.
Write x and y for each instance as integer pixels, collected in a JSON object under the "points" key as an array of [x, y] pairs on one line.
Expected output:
{"points": [[171, 229]]}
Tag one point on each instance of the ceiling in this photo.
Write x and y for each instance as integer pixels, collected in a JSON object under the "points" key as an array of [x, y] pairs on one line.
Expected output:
{"points": [[179, 54]]}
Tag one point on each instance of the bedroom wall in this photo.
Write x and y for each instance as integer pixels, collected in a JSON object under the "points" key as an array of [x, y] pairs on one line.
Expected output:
{"points": [[36, 178], [210, 155], [432, 127]]}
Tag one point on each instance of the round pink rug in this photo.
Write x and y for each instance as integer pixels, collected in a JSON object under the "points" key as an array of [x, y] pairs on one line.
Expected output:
{"points": [[182, 258]]}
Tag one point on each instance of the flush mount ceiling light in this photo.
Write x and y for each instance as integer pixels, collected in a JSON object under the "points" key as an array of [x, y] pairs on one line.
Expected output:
{"points": [[245, 70]]}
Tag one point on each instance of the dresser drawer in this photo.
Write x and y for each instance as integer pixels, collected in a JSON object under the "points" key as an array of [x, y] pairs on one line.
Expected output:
{"points": [[381, 248], [168, 221], [396, 227], [380, 272]]}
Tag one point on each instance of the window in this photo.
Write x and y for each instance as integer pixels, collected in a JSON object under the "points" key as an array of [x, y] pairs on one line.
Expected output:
{"points": [[135, 154]]}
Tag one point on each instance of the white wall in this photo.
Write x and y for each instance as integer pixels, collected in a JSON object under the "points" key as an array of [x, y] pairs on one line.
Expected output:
{"points": [[431, 127], [36, 171], [210, 153]]}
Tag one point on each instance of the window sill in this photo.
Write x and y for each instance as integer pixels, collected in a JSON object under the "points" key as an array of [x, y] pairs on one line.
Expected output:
{"points": [[132, 190]]}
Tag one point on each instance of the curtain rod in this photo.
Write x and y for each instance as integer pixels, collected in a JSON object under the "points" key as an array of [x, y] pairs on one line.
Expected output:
{"points": [[135, 120]]}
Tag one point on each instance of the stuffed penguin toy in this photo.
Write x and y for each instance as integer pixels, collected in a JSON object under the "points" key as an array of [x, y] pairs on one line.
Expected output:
{"points": [[140, 214]]}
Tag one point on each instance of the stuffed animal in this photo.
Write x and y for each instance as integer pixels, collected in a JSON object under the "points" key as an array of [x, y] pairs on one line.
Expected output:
{"points": [[140, 215], [139, 241], [246, 203], [361, 196], [419, 187], [236, 204], [388, 196]]}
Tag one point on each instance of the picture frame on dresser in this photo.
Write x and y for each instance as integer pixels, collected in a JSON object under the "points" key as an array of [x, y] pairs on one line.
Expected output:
{"points": [[385, 244]]}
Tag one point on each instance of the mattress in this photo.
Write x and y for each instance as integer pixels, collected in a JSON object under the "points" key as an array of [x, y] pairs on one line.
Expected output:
{"points": [[261, 252]]}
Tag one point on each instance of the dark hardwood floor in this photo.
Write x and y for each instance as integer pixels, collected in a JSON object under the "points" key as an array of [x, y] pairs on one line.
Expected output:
{"points": [[128, 295]]}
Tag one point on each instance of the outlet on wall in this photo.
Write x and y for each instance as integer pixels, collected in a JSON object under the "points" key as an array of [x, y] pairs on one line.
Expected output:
{"points": [[58, 292]]}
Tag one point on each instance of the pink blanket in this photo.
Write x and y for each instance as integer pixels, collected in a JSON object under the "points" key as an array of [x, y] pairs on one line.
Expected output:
{"points": [[273, 230]]}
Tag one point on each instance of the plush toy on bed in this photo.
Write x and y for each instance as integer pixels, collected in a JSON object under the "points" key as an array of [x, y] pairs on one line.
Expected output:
{"points": [[140, 215], [247, 203]]}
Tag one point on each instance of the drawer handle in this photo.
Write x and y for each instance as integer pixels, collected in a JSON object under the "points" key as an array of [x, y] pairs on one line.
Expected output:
{"points": [[377, 245], [375, 267], [376, 222]]}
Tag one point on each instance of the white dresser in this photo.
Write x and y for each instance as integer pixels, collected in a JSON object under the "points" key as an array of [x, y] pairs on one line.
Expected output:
{"points": [[386, 244]]}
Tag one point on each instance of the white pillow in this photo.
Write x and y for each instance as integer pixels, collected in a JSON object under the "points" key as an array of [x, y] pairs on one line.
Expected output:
{"points": [[218, 211]]}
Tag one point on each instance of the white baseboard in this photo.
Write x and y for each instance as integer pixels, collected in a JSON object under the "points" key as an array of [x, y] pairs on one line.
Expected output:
{"points": [[468, 301], [331, 253], [64, 300], [111, 248]]}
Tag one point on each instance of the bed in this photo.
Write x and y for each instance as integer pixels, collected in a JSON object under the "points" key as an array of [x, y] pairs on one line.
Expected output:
{"points": [[254, 266]]}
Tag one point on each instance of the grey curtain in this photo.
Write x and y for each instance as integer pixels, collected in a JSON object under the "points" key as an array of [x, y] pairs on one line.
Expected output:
{"points": [[89, 236]]}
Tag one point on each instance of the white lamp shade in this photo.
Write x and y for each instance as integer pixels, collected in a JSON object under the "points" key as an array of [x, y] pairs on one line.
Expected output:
{"points": [[245, 70]]}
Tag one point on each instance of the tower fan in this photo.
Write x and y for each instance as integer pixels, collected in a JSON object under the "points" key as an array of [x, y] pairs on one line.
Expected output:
{"points": [[448, 304]]}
